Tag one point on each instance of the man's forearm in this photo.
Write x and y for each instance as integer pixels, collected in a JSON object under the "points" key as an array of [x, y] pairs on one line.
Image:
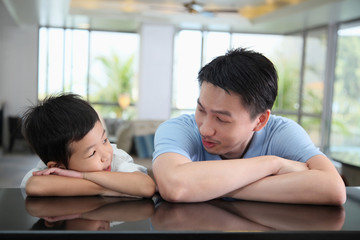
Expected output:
{"points": [[307, 187], [187, 181]]}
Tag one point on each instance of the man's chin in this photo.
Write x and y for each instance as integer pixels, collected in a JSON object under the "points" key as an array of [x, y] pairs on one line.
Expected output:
{"points": [[213, 151]]}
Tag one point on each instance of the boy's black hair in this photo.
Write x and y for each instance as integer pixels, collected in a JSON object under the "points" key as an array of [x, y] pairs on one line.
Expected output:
{"points": [[56, 122], [247, 73], [41, 224]]}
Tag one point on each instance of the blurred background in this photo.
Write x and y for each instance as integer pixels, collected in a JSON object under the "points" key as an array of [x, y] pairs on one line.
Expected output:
{"points": [[137, 61]]}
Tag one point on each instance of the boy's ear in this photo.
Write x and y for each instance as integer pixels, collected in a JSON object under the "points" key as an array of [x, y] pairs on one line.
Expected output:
{"points": [[52, 164], [262, 120]]}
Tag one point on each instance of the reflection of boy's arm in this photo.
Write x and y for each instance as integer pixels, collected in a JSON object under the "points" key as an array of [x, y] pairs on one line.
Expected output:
{"points": [[132, 210], [91, 208], [52, 207]]}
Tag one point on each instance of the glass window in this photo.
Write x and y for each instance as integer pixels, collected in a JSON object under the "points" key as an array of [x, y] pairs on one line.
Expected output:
{"points": [[345, 127], [113, 73], [76, 61], [187, 63], [100, 66], [56, 60], [215, 44], [287, 63], [314, 72], [301, 81], [313, 83]]}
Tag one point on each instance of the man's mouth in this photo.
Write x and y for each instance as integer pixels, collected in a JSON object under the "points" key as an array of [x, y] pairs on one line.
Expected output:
{"points": [[208, 144]]}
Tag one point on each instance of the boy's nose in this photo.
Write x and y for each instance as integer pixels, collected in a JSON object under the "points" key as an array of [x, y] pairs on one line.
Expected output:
{"points": [[105, 156]]}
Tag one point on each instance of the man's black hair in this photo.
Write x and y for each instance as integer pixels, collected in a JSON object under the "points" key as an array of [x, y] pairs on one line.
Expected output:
{"points": [[247, 73]]}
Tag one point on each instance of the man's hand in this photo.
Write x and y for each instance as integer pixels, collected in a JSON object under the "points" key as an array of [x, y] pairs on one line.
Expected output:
{"points": [[60, 172], [289, 166]]}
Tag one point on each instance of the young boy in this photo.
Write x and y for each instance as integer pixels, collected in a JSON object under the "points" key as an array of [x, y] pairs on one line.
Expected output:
{"points": [[77, 158]]}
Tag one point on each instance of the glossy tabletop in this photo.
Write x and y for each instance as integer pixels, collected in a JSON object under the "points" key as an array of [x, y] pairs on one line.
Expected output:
{"points": [[115, 218]]}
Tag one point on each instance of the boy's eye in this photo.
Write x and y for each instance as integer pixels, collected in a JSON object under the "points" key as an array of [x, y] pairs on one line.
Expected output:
{"points": [[92, 154], [105, 140]]}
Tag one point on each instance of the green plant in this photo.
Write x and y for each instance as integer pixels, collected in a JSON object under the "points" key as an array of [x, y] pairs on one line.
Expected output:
{"points": [[120, 75]]}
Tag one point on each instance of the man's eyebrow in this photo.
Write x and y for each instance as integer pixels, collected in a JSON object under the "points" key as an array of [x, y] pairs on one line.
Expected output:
{"points": [[198, 102], [226, 113]]}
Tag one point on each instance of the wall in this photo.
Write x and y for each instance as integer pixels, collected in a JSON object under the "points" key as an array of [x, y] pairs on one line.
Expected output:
{"points": [[156, 61], [18, 66]]}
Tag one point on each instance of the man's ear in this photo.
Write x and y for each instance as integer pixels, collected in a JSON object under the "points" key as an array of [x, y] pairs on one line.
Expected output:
{"points": [[262, 120], [52, 164]]}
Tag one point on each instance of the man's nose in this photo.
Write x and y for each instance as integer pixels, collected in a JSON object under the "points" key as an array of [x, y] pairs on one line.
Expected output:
{"points": [[207, 129]]}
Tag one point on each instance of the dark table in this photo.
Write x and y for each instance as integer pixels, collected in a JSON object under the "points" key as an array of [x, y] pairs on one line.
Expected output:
{"points": [[123, 218]]}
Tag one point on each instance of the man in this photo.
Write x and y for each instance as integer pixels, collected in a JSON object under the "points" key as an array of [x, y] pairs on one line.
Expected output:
{"points": [[233, 147]]}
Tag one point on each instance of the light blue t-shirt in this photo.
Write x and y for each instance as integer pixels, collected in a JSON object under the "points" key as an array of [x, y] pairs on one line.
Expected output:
{"points": [[281, 137]]}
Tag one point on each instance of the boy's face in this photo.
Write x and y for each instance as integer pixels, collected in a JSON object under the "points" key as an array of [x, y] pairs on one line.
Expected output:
{"points": [[93, 152], [224, 124]]}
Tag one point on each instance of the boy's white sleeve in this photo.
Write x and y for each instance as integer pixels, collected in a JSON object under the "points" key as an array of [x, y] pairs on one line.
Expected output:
{"points": [[123, 162], [39, 166]]}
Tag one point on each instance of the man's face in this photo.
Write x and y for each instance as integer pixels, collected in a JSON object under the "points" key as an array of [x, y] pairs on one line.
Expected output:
{"points": [[225, 125]]}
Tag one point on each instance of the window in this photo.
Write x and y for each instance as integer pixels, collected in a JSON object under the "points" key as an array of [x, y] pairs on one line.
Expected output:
{"points": [[98, 65], [187, 63], [312, 95], [287, 63], [299, 98], [345, 127]]}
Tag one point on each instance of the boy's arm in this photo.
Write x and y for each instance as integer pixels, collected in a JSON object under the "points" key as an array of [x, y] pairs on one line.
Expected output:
{"points": [[136, 184], [181, 180], [55, 185], [70, 183], [321, 184]]}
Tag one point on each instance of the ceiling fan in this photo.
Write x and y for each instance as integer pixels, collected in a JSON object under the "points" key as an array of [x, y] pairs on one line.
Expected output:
{"points": [[247, 11], [195, 7], [204, 8]]}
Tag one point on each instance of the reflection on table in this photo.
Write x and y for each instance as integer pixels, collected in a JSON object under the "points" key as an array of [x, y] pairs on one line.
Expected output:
{"points": [[86, 213], [220, 215], [101, 213]]}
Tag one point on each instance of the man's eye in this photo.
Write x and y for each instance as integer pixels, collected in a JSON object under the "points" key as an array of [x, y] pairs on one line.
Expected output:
{"points": [[220, 120], [200, 109]]}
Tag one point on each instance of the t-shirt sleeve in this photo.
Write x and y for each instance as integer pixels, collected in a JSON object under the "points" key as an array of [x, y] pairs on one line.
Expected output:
{"points": [[177, 136], [292, 142], [40, 166]]}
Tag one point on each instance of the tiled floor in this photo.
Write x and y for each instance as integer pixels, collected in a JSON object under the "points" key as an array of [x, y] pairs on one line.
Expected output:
{"points": [[13, 167]]}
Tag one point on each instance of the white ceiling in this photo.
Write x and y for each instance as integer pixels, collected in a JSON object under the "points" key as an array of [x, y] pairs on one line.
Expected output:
{"points": [[128, 15]]}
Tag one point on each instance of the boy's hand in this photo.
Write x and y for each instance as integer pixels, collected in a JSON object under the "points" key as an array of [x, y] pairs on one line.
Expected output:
{"points": [[60, 172], [60, 218]]}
